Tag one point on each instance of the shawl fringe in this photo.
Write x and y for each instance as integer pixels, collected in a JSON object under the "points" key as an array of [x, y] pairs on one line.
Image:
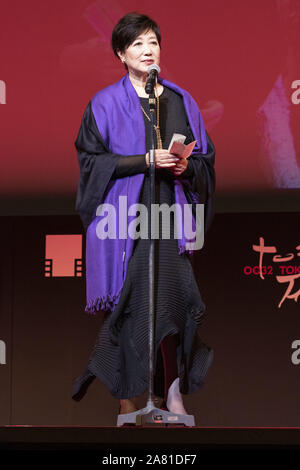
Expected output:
{"points": [[102, 304]]}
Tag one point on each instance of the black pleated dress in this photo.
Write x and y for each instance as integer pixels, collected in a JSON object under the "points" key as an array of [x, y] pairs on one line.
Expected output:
{"points": [[120, 358]]}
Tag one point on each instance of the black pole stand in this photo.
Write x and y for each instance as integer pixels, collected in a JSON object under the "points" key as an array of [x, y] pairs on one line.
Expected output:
{"points": [[150, 415]]}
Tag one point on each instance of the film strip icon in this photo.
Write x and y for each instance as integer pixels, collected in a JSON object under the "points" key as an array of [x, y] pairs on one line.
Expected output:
{"points": [[78, 267], [48, 267]]}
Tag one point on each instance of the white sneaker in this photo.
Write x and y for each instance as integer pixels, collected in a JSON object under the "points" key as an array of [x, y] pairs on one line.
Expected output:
{"points": [[174, 400]]}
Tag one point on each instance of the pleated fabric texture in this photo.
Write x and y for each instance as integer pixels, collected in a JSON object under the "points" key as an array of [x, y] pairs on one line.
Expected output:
{"points": [[120, 358]]}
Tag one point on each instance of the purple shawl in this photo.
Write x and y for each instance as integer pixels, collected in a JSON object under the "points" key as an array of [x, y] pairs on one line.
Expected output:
{"points": [[120, 121]]}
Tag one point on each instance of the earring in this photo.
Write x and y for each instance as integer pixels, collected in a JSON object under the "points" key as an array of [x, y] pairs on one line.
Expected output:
{"points": [[123, 60]]}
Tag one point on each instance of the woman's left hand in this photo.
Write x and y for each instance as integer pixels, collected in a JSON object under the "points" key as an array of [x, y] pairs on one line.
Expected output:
{"points": [[180, 167]]}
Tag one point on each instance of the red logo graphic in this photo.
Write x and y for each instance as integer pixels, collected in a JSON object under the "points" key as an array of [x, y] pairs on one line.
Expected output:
{"points": [[63, 256], [288, 274]]}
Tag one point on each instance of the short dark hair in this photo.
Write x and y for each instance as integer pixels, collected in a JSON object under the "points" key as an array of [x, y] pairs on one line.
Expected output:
{"points": [[129, 28]]}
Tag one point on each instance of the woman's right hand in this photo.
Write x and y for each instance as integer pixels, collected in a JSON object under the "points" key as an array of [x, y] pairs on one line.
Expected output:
{"points": [[163, 159]]}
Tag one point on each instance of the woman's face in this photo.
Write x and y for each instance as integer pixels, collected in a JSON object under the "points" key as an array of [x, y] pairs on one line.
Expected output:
{"points": [[143, 52]]}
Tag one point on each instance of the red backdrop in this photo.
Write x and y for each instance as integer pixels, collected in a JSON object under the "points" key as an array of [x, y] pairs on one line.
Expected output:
{"points": [[238, 60]]}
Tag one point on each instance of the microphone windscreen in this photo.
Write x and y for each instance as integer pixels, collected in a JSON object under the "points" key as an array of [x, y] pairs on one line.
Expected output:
{"points": [[153, 67]]}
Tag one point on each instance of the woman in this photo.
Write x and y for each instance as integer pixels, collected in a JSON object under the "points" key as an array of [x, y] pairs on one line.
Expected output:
{"points": [[112, 149]]}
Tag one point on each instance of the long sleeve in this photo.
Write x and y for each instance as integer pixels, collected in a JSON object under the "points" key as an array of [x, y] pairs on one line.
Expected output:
{"points": [[201, 183], [98, 166], [202, 169], [189, 171], [130, 165], [127, 165]]}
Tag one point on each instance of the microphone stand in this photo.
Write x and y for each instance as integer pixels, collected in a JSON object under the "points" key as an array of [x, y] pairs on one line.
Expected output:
{"points": [[152, 106], [150, 415]]}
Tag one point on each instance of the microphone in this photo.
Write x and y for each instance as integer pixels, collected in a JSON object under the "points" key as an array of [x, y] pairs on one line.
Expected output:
{"points": [[153, 70]]}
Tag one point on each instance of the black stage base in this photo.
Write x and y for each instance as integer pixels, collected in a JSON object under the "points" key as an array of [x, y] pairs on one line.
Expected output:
{"points": [[105, 441], [131, 447]]}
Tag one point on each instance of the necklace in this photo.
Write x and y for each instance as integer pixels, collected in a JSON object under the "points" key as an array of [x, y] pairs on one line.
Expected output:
{"points": [[156, 127]]}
